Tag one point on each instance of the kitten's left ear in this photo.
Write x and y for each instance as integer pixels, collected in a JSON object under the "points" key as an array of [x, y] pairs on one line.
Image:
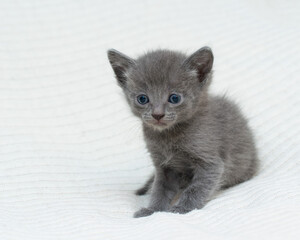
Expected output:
{"points": [[120, 64], [200, 61]]}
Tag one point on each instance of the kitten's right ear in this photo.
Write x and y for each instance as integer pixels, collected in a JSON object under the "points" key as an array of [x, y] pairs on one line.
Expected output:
{"points": [[120, 64]]}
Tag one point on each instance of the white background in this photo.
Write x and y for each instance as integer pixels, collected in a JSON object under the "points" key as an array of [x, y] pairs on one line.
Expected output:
{"points": [[71, 153]]}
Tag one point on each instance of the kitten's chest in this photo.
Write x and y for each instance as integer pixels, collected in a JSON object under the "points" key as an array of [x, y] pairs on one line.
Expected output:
{"points": [[168, 152]]}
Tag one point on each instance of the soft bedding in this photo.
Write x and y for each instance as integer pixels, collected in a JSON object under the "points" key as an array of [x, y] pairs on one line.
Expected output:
{"points": [[72, 154]]}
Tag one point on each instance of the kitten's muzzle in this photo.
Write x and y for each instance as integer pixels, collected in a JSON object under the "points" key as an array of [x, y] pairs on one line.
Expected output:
{"points": [[158, 116]]}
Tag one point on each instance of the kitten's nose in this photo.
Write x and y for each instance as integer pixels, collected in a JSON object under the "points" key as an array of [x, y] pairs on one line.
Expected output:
{"points": [[158, 116]]}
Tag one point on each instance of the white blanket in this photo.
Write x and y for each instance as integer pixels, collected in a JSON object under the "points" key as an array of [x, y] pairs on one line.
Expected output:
{"points": [[72, 154]]}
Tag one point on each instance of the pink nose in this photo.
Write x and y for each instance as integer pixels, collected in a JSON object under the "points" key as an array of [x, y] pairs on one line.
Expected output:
{"points": [[158, 116]]}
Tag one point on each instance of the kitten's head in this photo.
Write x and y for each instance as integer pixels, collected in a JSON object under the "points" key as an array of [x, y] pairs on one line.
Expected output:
{"points": [[163, 87]]}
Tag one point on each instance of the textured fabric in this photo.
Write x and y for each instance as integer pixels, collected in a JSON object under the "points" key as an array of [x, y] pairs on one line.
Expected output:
{"points": [[72, 154]]}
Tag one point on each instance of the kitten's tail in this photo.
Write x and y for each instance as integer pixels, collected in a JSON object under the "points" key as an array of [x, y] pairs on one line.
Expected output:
{"points": [[143, 190]]}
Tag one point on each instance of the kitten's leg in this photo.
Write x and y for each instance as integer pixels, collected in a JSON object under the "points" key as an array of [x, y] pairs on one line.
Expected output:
{"points": [[164, 189], [205, 182], [143, 190]]}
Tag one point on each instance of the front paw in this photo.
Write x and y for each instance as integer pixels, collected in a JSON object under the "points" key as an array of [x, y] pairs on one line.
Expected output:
{"points": [[179, 209], [143, 212]]}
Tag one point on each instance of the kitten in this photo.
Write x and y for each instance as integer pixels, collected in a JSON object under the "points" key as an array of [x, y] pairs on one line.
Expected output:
{"points": [[199, 144]]}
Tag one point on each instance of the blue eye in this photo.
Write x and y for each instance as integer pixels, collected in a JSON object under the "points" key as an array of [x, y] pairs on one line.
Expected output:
{"points": [[142, 99], [174, 98]]}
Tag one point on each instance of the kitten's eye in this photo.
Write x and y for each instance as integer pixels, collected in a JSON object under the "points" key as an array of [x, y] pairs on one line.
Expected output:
{"points": [[174, 98], [142, 99]]}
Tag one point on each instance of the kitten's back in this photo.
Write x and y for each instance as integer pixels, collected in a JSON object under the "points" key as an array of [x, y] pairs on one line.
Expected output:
{"points": [[238, 148]]}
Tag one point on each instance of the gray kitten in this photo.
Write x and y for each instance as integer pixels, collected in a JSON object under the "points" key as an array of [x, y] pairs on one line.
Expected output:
{"points": [[199, 144]]}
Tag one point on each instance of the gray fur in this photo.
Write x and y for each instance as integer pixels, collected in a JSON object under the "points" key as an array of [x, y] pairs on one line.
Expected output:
{"points": [[201, 145]]}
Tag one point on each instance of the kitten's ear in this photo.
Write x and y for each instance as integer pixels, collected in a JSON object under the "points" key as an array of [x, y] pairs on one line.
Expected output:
{"points": [[200, 61], [120, 64]]}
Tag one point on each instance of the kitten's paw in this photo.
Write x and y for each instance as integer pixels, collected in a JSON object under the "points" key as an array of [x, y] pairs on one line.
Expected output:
{"points": [[143, 212], [141, 191], [179, 209]]}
